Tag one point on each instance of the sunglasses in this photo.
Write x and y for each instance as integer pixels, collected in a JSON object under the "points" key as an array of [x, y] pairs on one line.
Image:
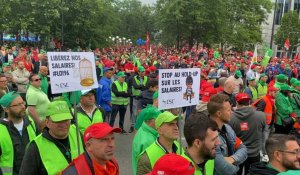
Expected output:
{"points": [[37, 80]]}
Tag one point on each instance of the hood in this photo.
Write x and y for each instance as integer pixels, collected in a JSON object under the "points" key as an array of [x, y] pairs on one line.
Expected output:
{"points": [[244, 112], [261, 168]]}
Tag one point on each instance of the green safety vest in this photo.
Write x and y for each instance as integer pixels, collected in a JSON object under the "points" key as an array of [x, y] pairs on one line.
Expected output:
{"points": [[7, 157], [101, 68], [136, 92], [120, 100], [56, 161], [262, 90], [208, 169], [85, 121], [155, 152], [254, 93]]}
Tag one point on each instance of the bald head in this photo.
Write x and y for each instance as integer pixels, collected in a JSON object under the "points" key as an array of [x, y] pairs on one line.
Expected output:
{"points": [[222, 81], [229, 86], [44, 70]]}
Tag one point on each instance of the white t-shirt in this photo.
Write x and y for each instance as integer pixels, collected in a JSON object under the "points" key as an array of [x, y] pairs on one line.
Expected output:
{"points": [[237, 83], [19, 127]]}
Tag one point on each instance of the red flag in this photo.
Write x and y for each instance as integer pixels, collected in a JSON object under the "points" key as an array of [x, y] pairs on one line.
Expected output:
{"points": [[296, 57], [287, 44], [147, 42]]}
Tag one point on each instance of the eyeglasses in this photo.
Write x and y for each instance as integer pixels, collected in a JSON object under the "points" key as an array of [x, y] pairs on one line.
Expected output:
{"points": [[37, 80], [19, 104], [291, 152]]}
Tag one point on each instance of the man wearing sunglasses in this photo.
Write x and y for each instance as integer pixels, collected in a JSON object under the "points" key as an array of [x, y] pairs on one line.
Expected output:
{"points": [[17, 130], [284, 154], [37, 101]]}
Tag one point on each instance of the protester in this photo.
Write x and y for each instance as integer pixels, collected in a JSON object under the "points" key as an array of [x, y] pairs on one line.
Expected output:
{"points": [[249, 126], [56, 147], [231, 152], [252, 90], [140, 83], [281, 79], [201, 135], [238, 82], [88, 112], [146, 134], [285, 115], [98, 159], [228, 90], [17, 130], [43, 73], [37, 101], [103, 94], [120, 99], [146, 96], [284, 153], [21, 77], [267, 105], [166, 126], [262, 86]]}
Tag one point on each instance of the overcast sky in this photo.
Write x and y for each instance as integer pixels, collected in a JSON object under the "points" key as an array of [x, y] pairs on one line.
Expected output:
{"points": [[148, 1]]}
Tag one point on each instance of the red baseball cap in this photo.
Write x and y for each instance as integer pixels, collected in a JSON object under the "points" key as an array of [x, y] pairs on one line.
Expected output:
{"points": [[99, 130], [152, 68], [242, 97], [172, 164], [208, 92]]}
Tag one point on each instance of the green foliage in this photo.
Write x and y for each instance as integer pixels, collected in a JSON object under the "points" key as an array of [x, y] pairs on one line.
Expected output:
{"points": [[232, 22], [290, 28]]}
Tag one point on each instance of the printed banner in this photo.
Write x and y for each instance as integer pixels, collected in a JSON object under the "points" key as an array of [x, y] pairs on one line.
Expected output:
{"points": [[178, 87], [72, 71]]}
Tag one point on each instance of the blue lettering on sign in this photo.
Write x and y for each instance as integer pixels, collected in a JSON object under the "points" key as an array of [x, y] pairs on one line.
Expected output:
{"points": [[62, 85]]}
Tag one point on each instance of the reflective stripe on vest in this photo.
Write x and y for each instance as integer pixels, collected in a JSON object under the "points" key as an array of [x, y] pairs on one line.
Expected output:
{"points": [[154, 152], [253, 92], [136, 92], [120, 100], [85, 121], [55, 161], [7, 157], [262, 90], [208, 169]]}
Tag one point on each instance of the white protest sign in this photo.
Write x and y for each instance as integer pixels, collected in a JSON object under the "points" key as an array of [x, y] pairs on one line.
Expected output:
{"points": [[178, 87], [72, 71]]}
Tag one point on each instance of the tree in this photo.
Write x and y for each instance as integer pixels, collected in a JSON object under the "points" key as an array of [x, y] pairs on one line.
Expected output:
{"points": [[232, 22], [289, 28], [135, 19]]}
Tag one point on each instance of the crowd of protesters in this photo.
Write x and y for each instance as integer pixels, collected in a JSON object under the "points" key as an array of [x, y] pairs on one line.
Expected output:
{"points": [[247, 120]]}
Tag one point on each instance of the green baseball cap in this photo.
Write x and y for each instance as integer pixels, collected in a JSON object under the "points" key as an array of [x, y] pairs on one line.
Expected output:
{"points": [[155, 95], [141, 69], [164, 117], [151, 112], [285, 87], [6, 99], [293, 80], [281, 77], [59, 111], [121, 74], [263, 75], [296, 83], [238, 73]]}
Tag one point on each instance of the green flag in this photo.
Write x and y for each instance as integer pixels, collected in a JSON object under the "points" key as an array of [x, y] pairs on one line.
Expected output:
{"points": [[216, 54]]}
